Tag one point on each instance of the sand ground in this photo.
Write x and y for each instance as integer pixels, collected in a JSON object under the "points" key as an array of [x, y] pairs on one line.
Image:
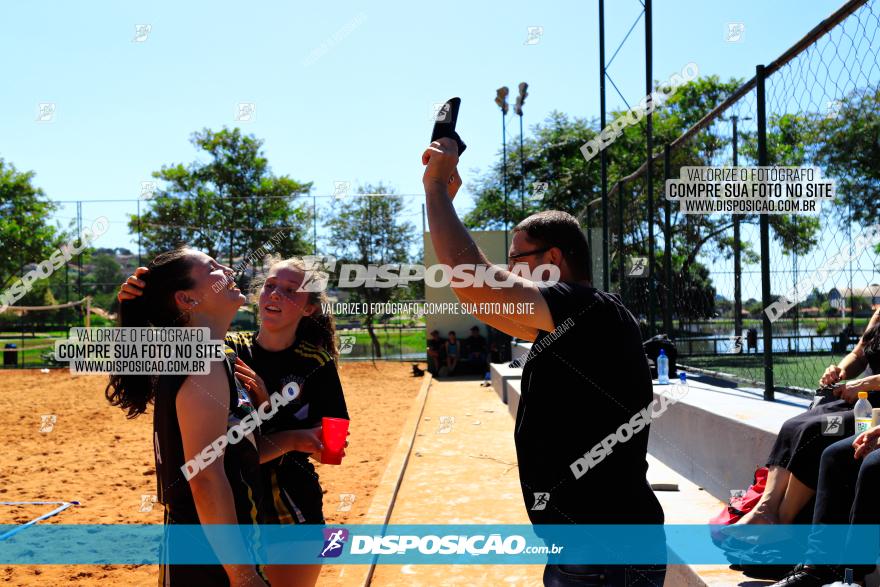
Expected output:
{"points": [[94, 455]]}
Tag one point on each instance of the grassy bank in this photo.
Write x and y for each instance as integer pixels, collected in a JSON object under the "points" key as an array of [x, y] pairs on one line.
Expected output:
{"points": [[788, 370]]}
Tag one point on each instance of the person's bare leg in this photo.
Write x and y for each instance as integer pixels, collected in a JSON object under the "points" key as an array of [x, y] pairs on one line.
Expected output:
{"points": [[796, 497], [766, 511], [293, 575]]}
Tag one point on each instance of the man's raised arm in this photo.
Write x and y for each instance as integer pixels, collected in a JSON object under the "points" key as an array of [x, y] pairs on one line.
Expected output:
{"points": [[454, 246]]}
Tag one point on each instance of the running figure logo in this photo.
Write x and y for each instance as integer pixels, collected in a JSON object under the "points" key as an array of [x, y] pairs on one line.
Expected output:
{"points": [[346, 500], [333, 542], [541, 499], [346, 344], [833, 425], [147, 502], [736, 345], [638, 267], [440, 112], [341, 189], [535, 33], [446, 423], [45, 112], [539, 188], [141, 32], [735, 32], [47, 422], [245, 112]]}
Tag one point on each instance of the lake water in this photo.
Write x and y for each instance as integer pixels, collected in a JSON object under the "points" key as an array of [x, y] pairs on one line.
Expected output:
{"points": [[785, 338]]}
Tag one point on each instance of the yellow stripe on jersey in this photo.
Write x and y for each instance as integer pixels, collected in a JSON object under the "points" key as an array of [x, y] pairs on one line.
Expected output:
{"points": [[256, 547], [164, 577], [316, 349], [312, 352], [284, 515]]}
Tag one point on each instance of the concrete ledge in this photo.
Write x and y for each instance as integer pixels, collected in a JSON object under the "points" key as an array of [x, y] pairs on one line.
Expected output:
{"points": [[519, 350], [501, 374], [386, 492], [716, 437], [514, 391]]}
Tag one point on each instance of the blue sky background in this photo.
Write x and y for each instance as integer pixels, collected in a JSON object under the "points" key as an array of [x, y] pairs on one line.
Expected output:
{"points": [[360, 112]]}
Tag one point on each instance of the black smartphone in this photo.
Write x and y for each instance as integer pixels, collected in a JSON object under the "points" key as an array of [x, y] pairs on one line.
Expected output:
{"points": [[444, 123]]}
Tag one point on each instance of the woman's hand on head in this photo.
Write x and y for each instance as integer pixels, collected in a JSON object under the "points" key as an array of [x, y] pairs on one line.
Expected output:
{"points": [[133, 287]]}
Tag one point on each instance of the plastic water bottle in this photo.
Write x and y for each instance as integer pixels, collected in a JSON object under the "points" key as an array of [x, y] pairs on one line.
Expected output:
{"points": [[682, 387], [862, 412], [663, 369]]}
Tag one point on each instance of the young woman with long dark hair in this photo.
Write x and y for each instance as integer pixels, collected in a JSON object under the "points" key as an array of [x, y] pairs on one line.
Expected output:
{"points": [[191, 412], [294, 351]]}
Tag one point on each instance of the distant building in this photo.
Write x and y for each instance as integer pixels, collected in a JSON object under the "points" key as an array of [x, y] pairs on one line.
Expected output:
{"points": [[839, 297]]}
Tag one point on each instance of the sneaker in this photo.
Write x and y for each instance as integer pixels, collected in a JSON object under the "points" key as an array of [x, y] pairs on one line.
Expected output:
{"points": [[808, 576]]}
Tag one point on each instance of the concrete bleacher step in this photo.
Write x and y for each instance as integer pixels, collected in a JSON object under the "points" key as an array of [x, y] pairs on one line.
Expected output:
{"points": [[709, 442], [501, 373], [692, 505], [514, 387]]}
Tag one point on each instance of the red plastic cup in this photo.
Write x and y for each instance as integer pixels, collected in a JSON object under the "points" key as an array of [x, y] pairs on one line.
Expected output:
{"points": [[333, 434]]}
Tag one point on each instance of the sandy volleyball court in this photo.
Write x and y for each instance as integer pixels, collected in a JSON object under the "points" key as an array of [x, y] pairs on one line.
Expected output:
{"points": [[94, 455]]}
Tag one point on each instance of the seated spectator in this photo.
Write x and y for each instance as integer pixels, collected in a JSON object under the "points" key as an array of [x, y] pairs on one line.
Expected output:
{"points": [[452, 352], [794, 459], [475, 349], [435, 352], [849, 480]]}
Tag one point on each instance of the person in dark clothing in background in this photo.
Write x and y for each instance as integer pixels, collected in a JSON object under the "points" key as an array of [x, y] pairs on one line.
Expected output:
{"points": [[436, 352], [475, 349]]}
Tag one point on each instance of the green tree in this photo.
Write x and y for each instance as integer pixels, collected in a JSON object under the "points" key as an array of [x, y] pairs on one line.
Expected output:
{"points": [[25, 235], [105, 275], [552, 155], [366, 230], [850, 153], [228, 206]]}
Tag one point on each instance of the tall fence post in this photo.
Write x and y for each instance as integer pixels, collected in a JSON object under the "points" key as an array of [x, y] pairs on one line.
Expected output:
{"points": [[603, 161], [649, 175], [590, 241], [737, 254], [765, 240], [667, 241], [621, 270], [140, 260]]}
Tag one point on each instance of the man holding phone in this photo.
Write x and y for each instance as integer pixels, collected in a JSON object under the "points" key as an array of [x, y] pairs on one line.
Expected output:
{"points": [[585, 379]]}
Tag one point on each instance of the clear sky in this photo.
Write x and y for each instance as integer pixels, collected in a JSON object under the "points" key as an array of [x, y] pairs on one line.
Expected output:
{"points": [[343, 91]]}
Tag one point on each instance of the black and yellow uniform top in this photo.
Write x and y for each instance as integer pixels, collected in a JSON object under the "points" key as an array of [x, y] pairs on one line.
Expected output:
{"points": [[293, 491], [241, 462]]}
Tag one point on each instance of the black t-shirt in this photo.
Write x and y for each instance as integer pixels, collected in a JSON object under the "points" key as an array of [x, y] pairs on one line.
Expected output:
{"points": [[306, 365], [580, 384], [241, 460]]}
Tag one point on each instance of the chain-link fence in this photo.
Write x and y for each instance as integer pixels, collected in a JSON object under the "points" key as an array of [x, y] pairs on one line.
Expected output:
{"points": [[27, 337], [715, 274]]}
